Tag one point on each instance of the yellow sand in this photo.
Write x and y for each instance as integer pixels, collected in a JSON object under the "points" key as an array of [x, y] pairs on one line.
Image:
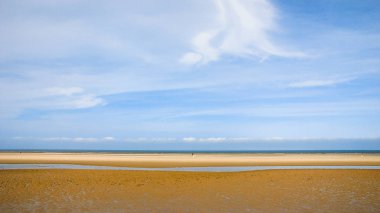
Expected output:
{"points": [[154, 191], [147, 191], [170, 160]]}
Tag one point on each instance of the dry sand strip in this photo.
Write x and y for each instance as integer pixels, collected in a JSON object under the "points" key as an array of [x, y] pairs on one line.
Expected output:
{"points": [[185, 160], [153, 191]]}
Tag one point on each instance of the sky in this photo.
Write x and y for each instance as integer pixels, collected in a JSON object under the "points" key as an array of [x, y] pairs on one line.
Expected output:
{"points": [[196, 74]]}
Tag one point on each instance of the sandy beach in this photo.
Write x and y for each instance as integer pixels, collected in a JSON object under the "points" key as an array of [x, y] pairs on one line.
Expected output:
{"points": [[183, 160], [147, 191], [310, 190]]}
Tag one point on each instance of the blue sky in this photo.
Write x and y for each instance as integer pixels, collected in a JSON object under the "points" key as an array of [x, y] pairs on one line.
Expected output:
{"points": [[216, 74]]}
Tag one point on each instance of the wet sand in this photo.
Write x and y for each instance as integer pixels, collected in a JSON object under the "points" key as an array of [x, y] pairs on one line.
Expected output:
{"points": [[183, 160], [155, 191], [66, 190]]}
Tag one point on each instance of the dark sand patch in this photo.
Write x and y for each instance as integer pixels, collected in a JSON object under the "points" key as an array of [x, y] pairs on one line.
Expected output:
{"points": [[155, 191]]}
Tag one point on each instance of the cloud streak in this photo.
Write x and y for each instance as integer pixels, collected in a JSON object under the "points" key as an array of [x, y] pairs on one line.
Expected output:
{"points": [[65, 139], [318, 83], [242, 29], [66, 91]]}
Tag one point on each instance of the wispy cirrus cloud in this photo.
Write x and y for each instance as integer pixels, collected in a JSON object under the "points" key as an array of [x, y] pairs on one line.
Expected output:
{"points": [[77, 99], [85, 101], [23, 97], [67, 91], [318, 83], [212, 139], [189, 139], [242, 29], [65, 139]]}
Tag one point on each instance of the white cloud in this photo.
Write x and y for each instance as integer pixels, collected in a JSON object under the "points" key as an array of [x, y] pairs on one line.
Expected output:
{"points": [[108, 138], [191, 58], [76, 98], [56, 139], [240, 139], [212, 139], [219, 139], [66, 91], [243, 30], [318, 83], [189, 139], [62, 139], [85, 101], [275, 139], [148, 140], [281, 110], [85, 139]]}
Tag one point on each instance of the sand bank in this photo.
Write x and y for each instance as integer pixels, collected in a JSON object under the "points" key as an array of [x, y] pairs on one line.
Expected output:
{"points": [[154, 191], [179, 169], [183, 160]]}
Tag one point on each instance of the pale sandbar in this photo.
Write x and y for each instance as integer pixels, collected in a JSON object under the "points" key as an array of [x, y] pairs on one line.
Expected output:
{"points": [[196, 159]]}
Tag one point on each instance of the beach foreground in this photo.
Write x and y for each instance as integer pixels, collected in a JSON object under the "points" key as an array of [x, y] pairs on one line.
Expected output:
{"points": [[153, 191], [312, 190], [189, 159]]}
